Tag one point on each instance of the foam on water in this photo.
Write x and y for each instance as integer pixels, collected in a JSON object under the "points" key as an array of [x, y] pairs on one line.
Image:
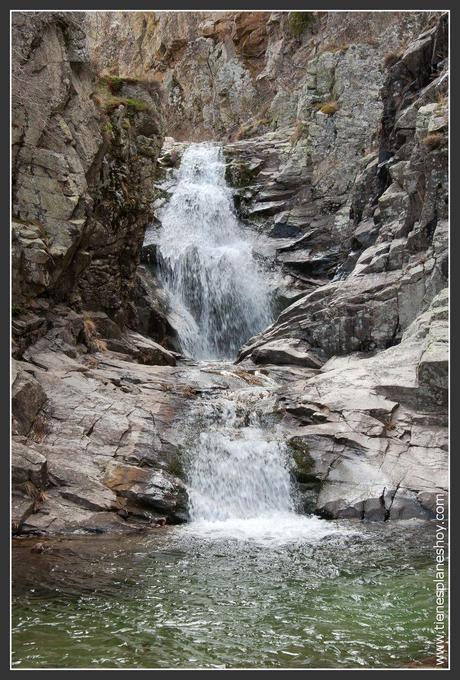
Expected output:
{"points": [[273, 529], [217, 291]]}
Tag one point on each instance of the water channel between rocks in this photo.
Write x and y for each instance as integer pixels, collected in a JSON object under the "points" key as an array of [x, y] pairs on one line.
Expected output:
{"points": [[250, 581]]}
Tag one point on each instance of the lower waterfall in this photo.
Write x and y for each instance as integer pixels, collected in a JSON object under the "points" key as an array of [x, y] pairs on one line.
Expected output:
{"points": [[216, 288], [239, 480], [238, 471]]}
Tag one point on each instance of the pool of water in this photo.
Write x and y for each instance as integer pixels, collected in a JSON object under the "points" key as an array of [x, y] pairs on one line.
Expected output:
{"points": [[334, 595]]}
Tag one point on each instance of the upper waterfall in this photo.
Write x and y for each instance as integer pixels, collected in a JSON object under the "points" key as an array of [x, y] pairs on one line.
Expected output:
{"points": [[216, 287]]}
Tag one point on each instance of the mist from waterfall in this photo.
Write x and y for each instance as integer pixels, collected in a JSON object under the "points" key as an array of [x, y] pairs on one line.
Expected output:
{"points": [[217, 291]]}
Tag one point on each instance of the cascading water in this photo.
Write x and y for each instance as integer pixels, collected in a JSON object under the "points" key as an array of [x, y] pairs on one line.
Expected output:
{"points": [[238, 477], [239, 482], [236, 471], [216, 288]]}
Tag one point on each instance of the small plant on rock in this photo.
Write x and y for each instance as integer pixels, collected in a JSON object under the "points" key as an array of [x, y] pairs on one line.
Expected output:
{"points": [[329, 108], [108, 128], [92, 339], [298, 133], [134, 104], [108, 98], [434, 140], [391, 58], [16, 310], [299, 22], [114, 83], [442, 98], [176, 468], [37, 495]]}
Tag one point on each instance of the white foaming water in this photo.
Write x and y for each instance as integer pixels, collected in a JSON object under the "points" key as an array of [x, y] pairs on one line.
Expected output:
{"points": [[239, 483], [240, 487], [206, 264]]}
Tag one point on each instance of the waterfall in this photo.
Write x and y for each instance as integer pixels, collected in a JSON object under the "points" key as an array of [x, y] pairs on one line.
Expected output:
{"points": [[238, 478], [238, 471], [217, 291]]}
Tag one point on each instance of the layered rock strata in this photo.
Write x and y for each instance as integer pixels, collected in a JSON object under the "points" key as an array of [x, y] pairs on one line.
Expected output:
{"points": [[335, 137]]}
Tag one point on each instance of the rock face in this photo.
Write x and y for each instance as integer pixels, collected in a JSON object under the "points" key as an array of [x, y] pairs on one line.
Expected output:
{"points": [[227, 74], [366, 241], [337, 152], [206, 62], [83, 167], [375, 258], [84, 161], [373, 429]]}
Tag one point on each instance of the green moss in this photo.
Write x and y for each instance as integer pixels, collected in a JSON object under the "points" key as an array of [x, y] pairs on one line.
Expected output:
{"points": [[175, 467], [16, 310], [136, 104], [304, 463], [107, 98], [299, 22], [108, 128], [111, 103], [114, 83]]}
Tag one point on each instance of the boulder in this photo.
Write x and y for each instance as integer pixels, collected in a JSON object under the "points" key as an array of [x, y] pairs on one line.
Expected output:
{"points": [[142, 349], [27, 399], [286, 352], [152, 488]]}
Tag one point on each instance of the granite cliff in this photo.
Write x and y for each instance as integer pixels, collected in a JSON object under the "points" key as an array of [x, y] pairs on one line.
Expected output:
{"points": [[334, 131]]}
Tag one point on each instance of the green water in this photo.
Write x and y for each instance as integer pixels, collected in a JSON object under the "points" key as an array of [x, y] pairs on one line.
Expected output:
{"points": [[178, 600]]}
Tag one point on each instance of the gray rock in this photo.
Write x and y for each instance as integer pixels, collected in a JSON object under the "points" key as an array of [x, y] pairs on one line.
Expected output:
{"points": [[28, 465], [27, 399], [374, 455], [286, 352], [155, 489]]}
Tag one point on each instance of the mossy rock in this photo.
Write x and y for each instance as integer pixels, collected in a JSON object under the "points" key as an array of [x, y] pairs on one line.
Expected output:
{"points": [[239, 174], [108, 102], [159, 193], [16, 310], [115, 83], [176, 468], [298, 22], [304, 463], [107, 129]]}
